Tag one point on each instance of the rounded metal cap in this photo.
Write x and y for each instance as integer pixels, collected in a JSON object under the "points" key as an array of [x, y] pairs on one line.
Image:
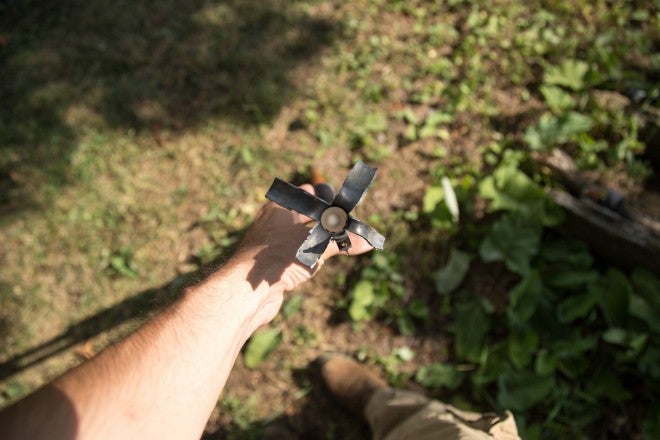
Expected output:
{"points": [[334, 219]]}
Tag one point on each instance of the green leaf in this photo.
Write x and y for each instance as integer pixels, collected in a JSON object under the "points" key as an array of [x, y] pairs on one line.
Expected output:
{"points": [[572, 278], [405, 353], [641, 310], [636, 344], [524, 298], [432, 122], [605, 383], [544, 134], [246, 156], [439, 375], [551, 131], [572, 254], [123, 264], [522, 346], [557, 99], [573, 124], [453, 273], [441, 202], [375, 122], [362, 299], [261, 345], [647, 286], [405, 324], [545, 364], [576, 306], [514, 240], [615, 291], [570, 73], [509, 189], [494, 361], [640, 15], [436, 118], [408, 115], [472, 325], [649, 362], [411, 133], [633, 341], [292, 306], [573, 367], [615, 335], [450, 198], [419, 310], [574, 346], [432, 196], [435, 206], [651, 423], [521, 390], [14, 390]]}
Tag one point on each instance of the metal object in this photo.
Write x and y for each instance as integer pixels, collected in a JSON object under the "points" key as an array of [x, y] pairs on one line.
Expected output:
{"points": [[334, 220], [331, 211]]}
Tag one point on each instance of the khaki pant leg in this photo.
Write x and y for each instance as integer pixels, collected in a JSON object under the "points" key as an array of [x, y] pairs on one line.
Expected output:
{"points": [[397, 414], [389, 407]]}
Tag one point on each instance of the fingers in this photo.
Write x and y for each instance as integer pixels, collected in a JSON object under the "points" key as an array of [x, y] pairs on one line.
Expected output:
{"points": [[308, 187]]}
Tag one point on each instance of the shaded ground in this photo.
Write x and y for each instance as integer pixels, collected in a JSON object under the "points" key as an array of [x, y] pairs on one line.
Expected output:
{"points": [[149, 66]]}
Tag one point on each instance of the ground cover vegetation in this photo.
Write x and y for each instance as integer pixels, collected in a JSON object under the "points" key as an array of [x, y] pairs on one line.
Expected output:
{"points": [[137, 140]]}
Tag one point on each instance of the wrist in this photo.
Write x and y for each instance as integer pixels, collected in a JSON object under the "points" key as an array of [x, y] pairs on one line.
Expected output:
{"points": [[239, 287]]}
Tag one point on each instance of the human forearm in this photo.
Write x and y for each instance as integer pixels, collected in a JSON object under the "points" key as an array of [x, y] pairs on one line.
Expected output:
{"points": [[164, 379]]}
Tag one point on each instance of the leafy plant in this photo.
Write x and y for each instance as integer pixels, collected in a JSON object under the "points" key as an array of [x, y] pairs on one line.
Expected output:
{"points": [[472, 324], [123, 264], [554, 131], [513, 240], [440, 204], [549, 358], [520, 391], [570, 73], [449, 277], [293, 306], [557, 99], [543, 356], [362, 303], [261, 345], [437, 375], [380, 293], [509, 189]]}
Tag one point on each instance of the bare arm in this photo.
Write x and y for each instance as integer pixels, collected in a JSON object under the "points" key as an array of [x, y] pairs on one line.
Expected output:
{"points": [[163, 381]]}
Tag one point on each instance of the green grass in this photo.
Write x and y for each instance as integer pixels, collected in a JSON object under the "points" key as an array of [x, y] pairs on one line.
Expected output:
{"points": [[137, 140]]}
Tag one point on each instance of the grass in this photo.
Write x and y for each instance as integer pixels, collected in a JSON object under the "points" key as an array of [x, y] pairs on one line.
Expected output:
{"points": [[95, 120], [137, 141]]}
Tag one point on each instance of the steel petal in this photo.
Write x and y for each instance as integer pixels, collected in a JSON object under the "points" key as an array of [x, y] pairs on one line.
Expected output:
{"points": [[313, 247], [367, 232], [325, 192], [291, 197], [355, 185]]}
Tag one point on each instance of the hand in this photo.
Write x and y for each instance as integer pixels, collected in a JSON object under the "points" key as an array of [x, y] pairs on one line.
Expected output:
{"points": [[274, 238], [270, 246]]}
